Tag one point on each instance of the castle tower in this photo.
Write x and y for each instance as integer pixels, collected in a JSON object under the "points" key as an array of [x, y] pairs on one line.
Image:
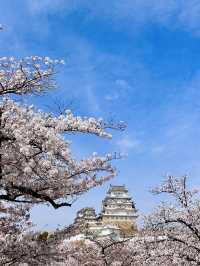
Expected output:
{"points": [[87, 215], [85, 219], [118, 208]]}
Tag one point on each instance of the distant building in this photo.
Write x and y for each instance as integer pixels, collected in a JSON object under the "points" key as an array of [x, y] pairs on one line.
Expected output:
{"points": [[117, 218]]}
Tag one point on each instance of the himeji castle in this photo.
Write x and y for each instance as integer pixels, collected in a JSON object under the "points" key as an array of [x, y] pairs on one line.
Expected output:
{"points": [[118, 216]]}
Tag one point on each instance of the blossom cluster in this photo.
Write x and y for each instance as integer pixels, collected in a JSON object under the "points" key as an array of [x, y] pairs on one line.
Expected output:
{"points": [[31, 74], [37, 154]]}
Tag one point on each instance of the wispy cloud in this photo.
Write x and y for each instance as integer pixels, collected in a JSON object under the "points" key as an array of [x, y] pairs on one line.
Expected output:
{"points": [[112, 97], [172, 13], [129, 143], [47, 6], [123, 84], [158, 149], [92, 100], [132, 13], [121, 88]]}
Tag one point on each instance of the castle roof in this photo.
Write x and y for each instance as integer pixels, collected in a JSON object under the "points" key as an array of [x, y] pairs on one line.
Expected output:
{"points": [[86, 212], [117, 188]]}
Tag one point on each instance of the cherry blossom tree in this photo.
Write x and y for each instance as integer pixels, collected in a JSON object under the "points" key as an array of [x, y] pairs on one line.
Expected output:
{"points": [[178, 222], [36, 164], [134, 251], [101, 252]]}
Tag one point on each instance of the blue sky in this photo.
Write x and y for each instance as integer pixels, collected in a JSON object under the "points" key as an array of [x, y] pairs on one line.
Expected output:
{"points": [[131, 60]]}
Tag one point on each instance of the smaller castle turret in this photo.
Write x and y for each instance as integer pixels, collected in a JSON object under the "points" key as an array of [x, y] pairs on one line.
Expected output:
{"points": [[88, 215]]}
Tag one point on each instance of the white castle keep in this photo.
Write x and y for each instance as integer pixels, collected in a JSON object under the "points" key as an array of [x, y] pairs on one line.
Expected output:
{"points": [[118, 206]]}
